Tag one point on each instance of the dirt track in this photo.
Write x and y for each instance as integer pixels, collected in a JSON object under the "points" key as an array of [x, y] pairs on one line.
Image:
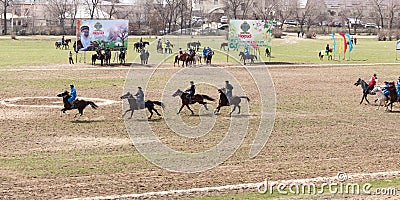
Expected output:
{"points": [[320, 130]]}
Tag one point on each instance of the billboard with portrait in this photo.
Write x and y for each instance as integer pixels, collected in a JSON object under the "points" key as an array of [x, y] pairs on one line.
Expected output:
{"points": [[250, 33], [101, 34]]}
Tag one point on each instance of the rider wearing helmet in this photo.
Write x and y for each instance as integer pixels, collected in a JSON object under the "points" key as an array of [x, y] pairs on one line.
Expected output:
{"points": [[385, 90], [71, 100]]}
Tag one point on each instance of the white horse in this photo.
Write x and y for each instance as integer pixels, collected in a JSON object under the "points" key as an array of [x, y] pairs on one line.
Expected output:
{"points": [[381, 97]]}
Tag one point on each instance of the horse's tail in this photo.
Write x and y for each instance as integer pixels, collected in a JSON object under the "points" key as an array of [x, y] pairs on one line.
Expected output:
{"points": [[158, 103], [244, 97], [208, 98], [94, 106]]}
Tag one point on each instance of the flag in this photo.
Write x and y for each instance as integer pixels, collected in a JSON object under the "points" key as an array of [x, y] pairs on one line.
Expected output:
{"points": [[344, 42], [398, 46], [334, 43], [350, 42]]}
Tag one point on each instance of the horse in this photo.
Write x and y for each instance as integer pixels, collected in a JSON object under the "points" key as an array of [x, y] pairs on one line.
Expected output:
{"points": [[191, 58], [66, 43], [267, 52], [364, 86], [79, 104], [181, 58], [223, 101], [77, 45], [223, 45], [250, 57], [392, 96], [323, 53], [134, 105], [208, 57], [197, 98], [168, 48], [144, 56], [98, 56], [121, 57], [107, 56], [138, 46], [196, 45], [198, 57], [381, 97]]}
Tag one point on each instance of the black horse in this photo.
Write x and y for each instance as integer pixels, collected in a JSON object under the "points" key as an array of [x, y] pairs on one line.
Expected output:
{"points": [[366, 91], [79, 104], [223, 101], [122, 57], [195, 45], [197, 98], [136, 106], [98, 56], [138, 46], [107, 56]]}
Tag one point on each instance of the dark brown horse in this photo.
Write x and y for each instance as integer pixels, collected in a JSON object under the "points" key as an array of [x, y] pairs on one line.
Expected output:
{"points": [[107, 56], [392, 96], [181, 58], [197, 98], [79, 104], [223, 101]]}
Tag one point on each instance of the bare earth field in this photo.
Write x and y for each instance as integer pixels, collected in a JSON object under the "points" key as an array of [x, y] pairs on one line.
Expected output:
{"points": [[320, 130]]}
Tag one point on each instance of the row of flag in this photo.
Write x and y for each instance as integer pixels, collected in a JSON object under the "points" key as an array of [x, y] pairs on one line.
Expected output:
{"points": [[347, 42]]}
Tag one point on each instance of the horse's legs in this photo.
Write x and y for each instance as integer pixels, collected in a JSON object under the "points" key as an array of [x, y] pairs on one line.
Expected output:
{"points": [[151, 112], [366, 98], [180, 109], [155, 110], [217, 109], [123, 115], [234, 108], [190, 109], [239, 109]]}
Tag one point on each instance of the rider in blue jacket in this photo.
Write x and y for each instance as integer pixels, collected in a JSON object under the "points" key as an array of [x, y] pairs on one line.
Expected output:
{"points": [[385, 90], [398, 86], [73, 96]]}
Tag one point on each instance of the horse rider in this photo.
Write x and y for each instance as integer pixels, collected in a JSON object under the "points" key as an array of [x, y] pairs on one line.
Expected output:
{"points": [[398, 87], [246, 52], [140, 97], [327, 49], [72, 99], [192, 52], [62, 40], [205, 51], [168, 43], [180, 53], [191, 90], [228, 89], [385, 88], [372, 83]]}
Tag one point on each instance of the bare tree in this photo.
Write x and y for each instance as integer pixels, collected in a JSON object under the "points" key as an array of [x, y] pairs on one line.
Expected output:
{"points": [[244, 7], [5, 4], [379, 7], [264, 8], [232, 8], [92, 7], [393, 8], [285, 10], [309, 14], [58, 10]]}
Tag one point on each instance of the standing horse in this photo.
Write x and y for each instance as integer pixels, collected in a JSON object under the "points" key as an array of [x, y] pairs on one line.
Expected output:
{"points": [[80, 104], [223, 101], [98, 56], [122, 57], [208, 57], [195, 45], [323, 53], [364, 86], [197, 98], [138, 46], [392, 96], [181, 58], [107, 56], [250, 57], [223, 45], [136, 106]]}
